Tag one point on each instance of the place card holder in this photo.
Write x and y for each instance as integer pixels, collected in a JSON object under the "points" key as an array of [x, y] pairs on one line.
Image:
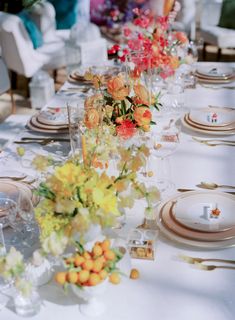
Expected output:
{"points": [[142, 243]]}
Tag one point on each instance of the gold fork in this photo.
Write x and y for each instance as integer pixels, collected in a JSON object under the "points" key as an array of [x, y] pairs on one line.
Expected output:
{"points": [[194, 260]]}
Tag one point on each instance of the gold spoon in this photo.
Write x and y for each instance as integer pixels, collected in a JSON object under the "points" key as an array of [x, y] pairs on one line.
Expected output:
{"points": [[212, 186]]}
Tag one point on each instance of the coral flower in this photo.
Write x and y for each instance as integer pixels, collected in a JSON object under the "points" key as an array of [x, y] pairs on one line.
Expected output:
{"points": [[126, 130], [142, 116], [117, 88]]}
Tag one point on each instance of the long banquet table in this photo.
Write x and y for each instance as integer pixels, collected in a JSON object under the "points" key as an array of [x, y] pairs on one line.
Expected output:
{"points": [[167, 289]]}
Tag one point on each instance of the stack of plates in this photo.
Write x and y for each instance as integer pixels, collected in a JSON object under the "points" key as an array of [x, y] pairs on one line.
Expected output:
{"points": [[186, 219], [214, 121], [11, 189], [51, 120], [215, 75], [106, 71]]}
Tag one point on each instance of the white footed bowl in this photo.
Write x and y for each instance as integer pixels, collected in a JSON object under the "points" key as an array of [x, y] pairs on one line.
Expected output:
{"points": [[92, 307]]}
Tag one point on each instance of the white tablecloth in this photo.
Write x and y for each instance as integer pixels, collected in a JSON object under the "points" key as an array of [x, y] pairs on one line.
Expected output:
{"points": [[168, 289]]}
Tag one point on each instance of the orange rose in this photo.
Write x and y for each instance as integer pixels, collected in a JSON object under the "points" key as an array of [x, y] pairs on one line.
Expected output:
{"points": [[168, 6], [117, 88], [143, 95], [91, 118], [181, 36], [93, 101], [174, 62], [142, 116]]}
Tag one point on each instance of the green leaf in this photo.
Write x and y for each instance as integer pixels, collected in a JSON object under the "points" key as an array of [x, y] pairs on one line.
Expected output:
{"points": [[79, 247]]}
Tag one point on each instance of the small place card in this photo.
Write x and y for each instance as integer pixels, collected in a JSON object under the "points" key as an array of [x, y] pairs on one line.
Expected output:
{"points": [[142, 243]]}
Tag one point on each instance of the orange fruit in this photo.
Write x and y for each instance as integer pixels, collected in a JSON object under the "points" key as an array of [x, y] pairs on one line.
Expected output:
{"points": [[98, 265], [83, 276], [94, 279], [72, 277], [114, 278], [87, 255], [60, 277], [78, 261], [105, 245], [134, 274], [109, 255], [97, 250], [88, 265], [103, 274]]}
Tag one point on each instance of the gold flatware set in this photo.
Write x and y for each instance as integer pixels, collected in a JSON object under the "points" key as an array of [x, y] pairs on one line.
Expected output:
{"points": [[215, 142], [198, 262], [41, 141]]}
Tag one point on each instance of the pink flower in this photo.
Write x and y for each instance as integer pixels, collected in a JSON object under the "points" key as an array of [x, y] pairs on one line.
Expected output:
{"points": [[127, 31]]}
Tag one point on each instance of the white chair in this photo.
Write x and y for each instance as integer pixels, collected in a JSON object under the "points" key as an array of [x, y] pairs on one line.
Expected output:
{"points": [[43, 14], [18, 51], [5, 87], [210, 32]]}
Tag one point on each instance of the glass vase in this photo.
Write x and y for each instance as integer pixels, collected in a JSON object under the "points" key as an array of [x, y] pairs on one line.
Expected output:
{"points": [[27, 305]]}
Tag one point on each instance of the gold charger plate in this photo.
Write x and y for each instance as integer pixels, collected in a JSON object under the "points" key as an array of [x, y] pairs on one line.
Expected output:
{"points": [[27, 188], [213, 245]]}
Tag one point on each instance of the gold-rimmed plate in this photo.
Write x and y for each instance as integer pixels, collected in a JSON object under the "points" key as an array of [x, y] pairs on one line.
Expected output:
{"points": [[34, 125], [209, 128], [218, 72], [213, 117], [193, 212], [172, 236], [189, 125], [53, 116]]}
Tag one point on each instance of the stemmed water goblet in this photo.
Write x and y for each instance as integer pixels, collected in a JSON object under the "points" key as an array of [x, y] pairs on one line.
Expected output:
{"points": [[26, 213], [163, 143]]}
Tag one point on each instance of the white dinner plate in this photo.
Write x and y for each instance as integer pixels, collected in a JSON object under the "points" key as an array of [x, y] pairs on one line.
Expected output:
{"points": [[193, 211], [186, 241], [213, 117], [215, 72], [185, 122]]}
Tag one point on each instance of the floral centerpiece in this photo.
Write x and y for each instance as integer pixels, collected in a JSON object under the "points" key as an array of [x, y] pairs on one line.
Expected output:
{"points": [[153, 36], [125, 105], [76, 196]]}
